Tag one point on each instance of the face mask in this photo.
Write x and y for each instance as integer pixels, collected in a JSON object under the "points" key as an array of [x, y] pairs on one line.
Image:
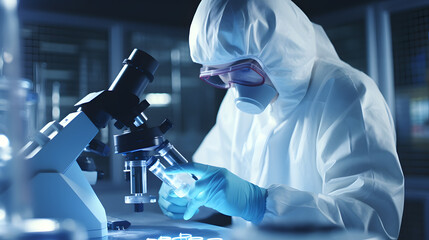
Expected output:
{"points": [[253, 99]]}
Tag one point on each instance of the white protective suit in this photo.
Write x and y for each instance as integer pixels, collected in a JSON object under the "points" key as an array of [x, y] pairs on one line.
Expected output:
{"points": [[325, 149]]}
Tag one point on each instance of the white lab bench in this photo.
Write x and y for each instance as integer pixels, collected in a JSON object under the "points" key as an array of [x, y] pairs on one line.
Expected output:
{"points": [[151, 223], [154, 225]]}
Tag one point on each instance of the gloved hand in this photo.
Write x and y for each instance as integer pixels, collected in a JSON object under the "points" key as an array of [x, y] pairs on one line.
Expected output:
{"points": [[171, 205], [221, 190]]}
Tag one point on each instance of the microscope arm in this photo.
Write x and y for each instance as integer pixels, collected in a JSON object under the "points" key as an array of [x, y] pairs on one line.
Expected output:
{"points": [[58, 144]]}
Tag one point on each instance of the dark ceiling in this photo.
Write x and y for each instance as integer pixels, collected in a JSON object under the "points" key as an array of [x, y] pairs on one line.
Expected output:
{"points": [[176, 13]]}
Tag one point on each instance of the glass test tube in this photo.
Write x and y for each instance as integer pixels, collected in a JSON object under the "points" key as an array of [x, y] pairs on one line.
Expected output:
{"points": [[181, 184]]}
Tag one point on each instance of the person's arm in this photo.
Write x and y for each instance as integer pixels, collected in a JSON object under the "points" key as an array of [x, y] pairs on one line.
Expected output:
{"points": [[357, 162]]}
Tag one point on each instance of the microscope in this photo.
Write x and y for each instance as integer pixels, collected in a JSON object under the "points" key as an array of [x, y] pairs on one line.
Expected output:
{"points": [[59, 189]]}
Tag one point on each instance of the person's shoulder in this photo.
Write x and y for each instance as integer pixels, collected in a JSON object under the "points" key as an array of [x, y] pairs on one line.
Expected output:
{"points": [[336, 79]]}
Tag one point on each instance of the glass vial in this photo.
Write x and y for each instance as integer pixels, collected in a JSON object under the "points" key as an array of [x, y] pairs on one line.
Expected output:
{"points": [[181, 183]]}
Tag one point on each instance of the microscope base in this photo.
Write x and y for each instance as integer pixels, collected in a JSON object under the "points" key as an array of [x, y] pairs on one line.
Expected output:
{"points": [[69, 196]]}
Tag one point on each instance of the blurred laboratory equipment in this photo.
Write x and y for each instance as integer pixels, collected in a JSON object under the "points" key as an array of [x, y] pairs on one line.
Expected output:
{"points": [[27, 120], [43, 229], [13, 119]]}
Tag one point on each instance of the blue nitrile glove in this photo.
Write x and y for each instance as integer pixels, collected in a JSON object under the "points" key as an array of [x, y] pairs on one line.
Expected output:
{"points": [[221, 190], [171, 205]]}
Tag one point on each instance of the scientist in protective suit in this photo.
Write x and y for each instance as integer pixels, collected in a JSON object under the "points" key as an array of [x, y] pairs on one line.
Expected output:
{"points": [[301, 137]]}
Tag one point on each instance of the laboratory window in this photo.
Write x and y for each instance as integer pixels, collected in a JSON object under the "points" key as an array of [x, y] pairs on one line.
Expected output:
{"points": [[410, 44]]}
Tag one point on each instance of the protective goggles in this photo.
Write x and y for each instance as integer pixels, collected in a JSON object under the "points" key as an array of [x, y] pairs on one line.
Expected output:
{"points": [[246, 73]]}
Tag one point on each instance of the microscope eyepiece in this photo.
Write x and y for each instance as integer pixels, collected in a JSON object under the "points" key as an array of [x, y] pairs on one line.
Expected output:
{"points": [[136, 73]]}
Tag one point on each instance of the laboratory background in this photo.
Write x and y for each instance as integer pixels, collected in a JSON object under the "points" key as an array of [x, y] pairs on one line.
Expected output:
{"points": [[63, 50]]}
